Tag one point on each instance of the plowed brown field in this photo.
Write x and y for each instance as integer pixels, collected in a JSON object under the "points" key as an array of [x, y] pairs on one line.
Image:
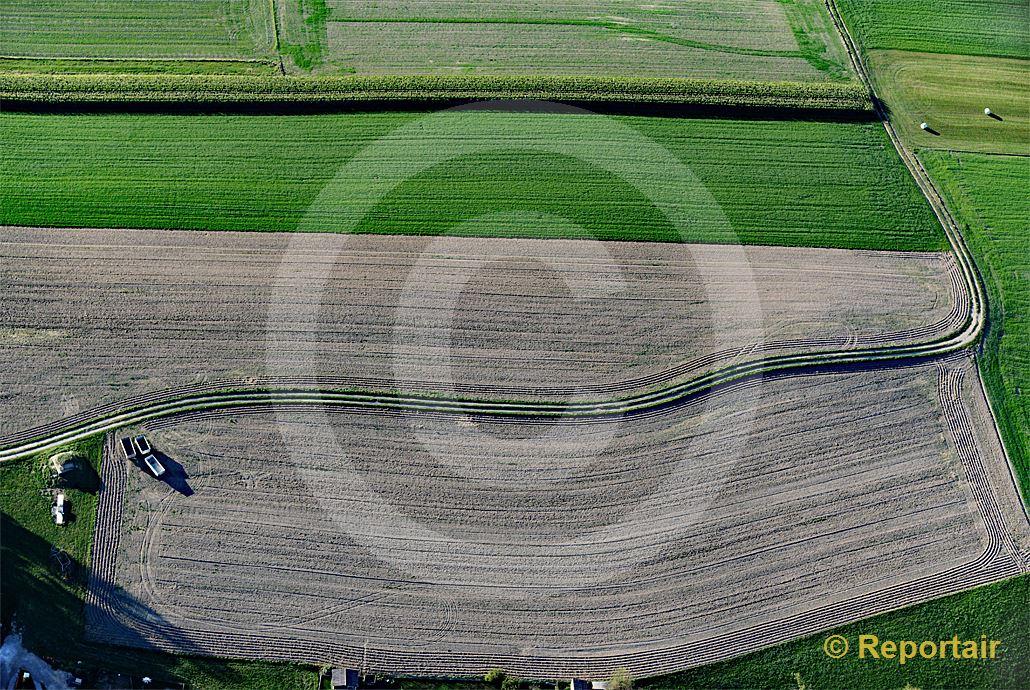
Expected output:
{"points": [[436, 544], [107, 319]]}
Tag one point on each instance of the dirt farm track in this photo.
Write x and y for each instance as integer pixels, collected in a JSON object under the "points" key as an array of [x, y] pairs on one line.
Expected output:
{"points": [[441, 544]]}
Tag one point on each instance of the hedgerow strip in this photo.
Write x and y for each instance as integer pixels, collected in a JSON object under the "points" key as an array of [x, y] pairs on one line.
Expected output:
{"points": [[129, 88]]}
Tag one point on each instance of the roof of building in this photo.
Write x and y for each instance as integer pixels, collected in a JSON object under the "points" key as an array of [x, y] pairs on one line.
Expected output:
{"points": [[345, 678]]}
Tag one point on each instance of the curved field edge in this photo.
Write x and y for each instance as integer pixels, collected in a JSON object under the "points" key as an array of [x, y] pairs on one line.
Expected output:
{"points": [[120, 88], [49, 609]]}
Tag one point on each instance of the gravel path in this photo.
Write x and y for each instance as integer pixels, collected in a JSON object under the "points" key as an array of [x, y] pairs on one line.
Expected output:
{"points": [[752, 515], [115, 318]]}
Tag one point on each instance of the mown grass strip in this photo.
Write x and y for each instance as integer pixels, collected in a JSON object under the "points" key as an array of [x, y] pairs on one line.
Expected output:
{"points": [[129, 88]]}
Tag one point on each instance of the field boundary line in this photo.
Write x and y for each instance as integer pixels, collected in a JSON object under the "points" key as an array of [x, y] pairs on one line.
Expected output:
{"points": [[225, 89]]}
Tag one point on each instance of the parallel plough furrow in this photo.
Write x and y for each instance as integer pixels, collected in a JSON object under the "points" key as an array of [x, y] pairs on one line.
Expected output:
{"points": [[999, 559]]}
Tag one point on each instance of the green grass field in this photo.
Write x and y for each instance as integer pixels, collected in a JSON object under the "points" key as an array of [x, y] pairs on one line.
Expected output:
{"points": [[988, 195], [943, 62], [49, 608], [786, 182], [998, 611], [950, 93], [997, 28]]}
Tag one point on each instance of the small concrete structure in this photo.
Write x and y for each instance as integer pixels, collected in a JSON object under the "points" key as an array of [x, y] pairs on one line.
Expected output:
{"points": [[63, 464], [142, 444], [345, 678]]}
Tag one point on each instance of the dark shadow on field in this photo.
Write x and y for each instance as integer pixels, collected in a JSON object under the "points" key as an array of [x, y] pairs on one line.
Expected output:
{"points": [[879, 104], [996, 116], [56, 624], [671, 110], [175, 474], [83, 478]]}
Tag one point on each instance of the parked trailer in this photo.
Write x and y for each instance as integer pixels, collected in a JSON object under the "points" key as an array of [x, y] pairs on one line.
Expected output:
{"points": [[142, 445], [155, 466], [128, 449]]}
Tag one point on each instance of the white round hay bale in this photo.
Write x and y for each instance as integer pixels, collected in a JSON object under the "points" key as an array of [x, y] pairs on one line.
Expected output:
{"points": [[987, 111], [923, 126]]}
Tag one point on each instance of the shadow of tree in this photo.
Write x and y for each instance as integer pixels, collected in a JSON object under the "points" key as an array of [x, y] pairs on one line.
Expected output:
{"points": [[57, 623]]}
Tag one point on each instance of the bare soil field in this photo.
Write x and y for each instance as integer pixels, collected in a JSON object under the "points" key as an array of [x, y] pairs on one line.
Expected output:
{"points": [[434, 544], [105, 319]]}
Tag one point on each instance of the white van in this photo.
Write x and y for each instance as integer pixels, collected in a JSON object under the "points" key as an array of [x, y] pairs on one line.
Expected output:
{"points": [[59, 510]]}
